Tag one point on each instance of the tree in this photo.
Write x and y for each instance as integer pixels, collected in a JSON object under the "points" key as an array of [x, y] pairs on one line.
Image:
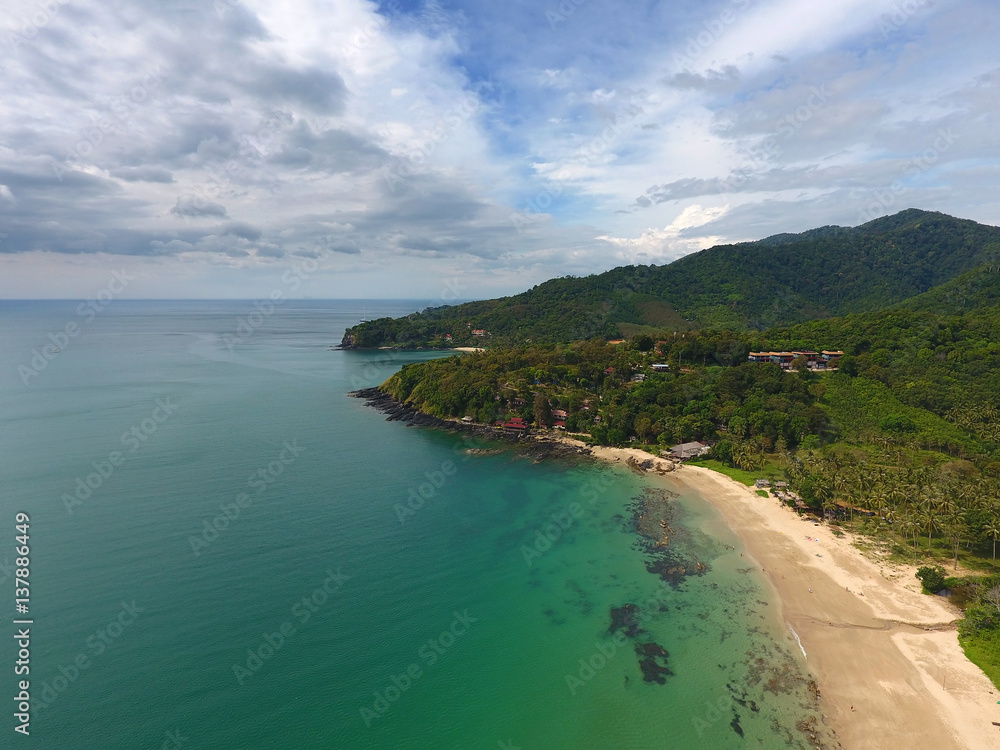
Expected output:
{"points": [[643, 427], [909, 526], [543, 414], [956, 530], [848, 365], [992, 529], [643, 343], [810, 442], [932, 578]]}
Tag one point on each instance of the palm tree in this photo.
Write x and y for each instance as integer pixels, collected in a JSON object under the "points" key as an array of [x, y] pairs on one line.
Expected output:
{"points": [[908, 525], [992, 529], [740, 455], [955, 529], [928, 521]]}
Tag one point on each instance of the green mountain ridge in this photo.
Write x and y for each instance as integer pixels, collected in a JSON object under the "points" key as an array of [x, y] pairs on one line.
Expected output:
{"points": [[780, 280]]}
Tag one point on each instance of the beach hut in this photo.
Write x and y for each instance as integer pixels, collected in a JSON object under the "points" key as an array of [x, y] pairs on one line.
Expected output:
{"points": [[689, 450]]}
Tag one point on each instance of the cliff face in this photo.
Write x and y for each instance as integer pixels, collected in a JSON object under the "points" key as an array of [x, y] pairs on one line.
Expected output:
{"points": [[348, 341]]}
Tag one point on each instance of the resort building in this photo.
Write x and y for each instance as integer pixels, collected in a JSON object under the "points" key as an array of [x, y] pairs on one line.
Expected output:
{"points": [[515, 423], [814, 360], [689, 450]]}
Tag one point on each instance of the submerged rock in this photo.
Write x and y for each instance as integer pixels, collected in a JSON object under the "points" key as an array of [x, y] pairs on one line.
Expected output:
{"points": [[653, 662], [625, 618], [735, 724]]}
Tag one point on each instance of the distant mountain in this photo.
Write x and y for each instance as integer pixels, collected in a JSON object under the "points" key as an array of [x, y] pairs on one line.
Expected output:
{"points": [[778, 281]]}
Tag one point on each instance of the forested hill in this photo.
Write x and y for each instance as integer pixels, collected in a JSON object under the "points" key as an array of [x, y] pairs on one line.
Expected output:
{"points": [[781, 280]]}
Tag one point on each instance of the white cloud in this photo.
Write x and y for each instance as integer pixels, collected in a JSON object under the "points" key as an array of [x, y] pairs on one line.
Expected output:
{"points": [[659, 245]]}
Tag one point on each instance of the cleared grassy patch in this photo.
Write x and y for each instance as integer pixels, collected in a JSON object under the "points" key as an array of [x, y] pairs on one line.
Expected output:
{"points": [[748, 478], [984, 652]]}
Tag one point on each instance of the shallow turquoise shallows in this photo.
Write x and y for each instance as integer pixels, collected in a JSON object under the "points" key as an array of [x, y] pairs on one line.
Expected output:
{"points": [[229, 552]]}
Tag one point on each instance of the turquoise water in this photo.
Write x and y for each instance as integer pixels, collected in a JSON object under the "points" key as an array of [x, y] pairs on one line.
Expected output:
{"points": [[240, 573]]}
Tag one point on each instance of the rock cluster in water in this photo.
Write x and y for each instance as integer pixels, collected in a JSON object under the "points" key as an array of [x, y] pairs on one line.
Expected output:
{"points": [[653, 662], [653, 519], [652, 656]]}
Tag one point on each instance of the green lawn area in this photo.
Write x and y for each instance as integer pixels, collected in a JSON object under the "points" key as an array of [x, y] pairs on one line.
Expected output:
{"points": [[770, 470], [984, 652]]}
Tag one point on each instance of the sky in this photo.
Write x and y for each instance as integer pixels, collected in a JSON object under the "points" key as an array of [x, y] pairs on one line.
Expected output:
{"points": [[460, 150]]}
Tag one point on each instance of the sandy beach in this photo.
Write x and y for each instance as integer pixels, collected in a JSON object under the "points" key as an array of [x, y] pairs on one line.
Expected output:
{"points": [[886, 657]]}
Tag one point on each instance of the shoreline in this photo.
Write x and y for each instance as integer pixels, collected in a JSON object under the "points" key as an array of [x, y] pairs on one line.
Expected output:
{"points": [[872, 640], [886, 656]]}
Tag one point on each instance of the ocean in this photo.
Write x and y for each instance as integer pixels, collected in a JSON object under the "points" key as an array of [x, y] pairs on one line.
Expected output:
{"points": [[227, 551]]}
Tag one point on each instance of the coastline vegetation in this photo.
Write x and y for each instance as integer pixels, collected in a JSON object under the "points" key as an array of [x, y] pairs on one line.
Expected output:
{"points": [[901, 442]]}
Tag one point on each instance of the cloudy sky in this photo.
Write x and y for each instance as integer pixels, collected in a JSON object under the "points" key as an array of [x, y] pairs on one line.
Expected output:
{"points": [[466, 148]]}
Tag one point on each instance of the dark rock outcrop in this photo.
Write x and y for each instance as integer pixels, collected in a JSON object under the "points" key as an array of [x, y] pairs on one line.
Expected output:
{"points": [[653, 662], [530, 444], [625, 618]]}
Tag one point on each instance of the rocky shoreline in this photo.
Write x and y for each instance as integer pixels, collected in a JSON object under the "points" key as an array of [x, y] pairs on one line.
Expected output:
{"points": [[540, 446]]}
